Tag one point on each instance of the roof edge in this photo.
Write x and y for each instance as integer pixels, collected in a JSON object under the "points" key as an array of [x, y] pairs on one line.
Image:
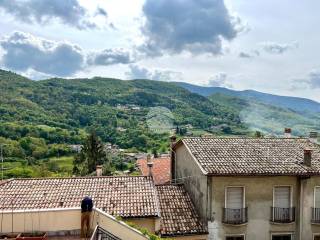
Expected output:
{"points": [[204, 172]]}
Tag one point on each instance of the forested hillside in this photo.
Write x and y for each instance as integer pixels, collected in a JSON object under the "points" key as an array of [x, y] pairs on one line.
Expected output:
{"points": [[40, 118]]}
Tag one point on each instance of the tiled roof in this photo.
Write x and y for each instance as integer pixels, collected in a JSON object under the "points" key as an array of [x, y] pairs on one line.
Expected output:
{"points": [[178, 215], [120, 196], [253, 156], [160, 169]]}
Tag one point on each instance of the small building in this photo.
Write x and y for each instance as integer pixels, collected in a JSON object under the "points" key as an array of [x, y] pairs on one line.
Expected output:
{"points": [[160, 170], [76, 147]]}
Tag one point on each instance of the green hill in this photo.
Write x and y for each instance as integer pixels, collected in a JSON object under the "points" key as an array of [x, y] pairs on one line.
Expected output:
{"points": [[39, 118]]}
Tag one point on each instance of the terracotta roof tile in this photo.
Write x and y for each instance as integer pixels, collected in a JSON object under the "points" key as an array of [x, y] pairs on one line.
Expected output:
{"points": [[119, 196], [160, 169], [178, 215], [253, 156]]}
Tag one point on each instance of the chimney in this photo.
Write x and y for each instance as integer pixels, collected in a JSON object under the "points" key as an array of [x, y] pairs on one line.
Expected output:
{"points": [[173, 140], [99, 170], [287, 132], [149, 164], [307, 157], [313, 137]]}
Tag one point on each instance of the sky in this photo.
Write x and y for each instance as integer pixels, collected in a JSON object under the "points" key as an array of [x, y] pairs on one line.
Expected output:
{"points": [[268, 45]]}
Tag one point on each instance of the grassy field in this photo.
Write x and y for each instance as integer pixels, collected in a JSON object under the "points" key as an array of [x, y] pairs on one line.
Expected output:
{"points": [[52, 167]]}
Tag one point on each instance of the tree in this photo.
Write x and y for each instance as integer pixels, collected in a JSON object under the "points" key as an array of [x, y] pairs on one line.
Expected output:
{"points": [[91, 155]]}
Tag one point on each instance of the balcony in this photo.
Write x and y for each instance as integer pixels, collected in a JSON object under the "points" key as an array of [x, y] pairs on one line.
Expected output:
{"points": [[315, 215], [235, 216], [282, 215]]}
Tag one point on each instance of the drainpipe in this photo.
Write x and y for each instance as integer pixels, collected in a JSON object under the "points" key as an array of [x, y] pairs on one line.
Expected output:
{"points": [[173, 159], [301, 208]]}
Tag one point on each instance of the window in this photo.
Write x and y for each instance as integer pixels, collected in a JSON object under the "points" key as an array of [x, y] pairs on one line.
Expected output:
{"points": [[315, 218], [235, 197], [282, 211], [234, 211], [282, 197], [317, 197], [282, 237], [235, 238]]}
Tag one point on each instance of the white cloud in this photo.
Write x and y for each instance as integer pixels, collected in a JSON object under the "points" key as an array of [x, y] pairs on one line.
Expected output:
{"points": [[139, 72], [278, 48], [311, 81], [219, 80], [24, 51], [110, 57], [194, 26], [68, 12], [27, 53]]}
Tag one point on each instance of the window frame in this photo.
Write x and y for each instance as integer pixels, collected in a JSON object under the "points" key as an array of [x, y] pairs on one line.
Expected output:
{"points": [[291, 194], [314, 196], [283, 233], [315, 235], [236, 235], [243, 197]]}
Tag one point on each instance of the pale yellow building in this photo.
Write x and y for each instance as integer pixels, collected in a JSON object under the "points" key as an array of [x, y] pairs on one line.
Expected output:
{"points": [[252, 188]]}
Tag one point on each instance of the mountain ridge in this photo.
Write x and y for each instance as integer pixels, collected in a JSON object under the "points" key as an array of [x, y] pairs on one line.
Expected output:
{"points": [[295, 103]]}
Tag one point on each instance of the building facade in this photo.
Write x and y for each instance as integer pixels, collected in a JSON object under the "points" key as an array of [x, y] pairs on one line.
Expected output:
{"points": [[252, 188]]}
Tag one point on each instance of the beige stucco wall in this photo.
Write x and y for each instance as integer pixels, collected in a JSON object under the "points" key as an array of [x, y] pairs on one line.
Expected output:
{"points": [[308, 186], [56, 220], [258, 199], [151, 224], [49, 221], [189, 173]]}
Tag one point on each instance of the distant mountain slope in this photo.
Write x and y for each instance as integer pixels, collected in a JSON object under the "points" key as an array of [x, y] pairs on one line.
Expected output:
{"points": [[268, 118], [294, 103]]}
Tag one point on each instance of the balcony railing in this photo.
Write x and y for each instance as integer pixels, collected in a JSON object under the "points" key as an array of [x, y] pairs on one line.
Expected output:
{"points": [[283, 215], [315, 215], [235, 216]]}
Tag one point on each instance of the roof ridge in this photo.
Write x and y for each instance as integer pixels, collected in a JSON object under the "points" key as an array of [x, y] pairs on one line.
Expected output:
{"points": [[79, 177], [242, 137]]}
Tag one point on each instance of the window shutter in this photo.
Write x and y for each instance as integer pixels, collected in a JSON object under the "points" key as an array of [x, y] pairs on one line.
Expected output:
{"points": [[317, 197], [234, 197], [282, 197]]}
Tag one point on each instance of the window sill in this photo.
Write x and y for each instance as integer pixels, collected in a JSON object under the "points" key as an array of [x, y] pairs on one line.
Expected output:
{"points": [[235, 225], [284, 223]]}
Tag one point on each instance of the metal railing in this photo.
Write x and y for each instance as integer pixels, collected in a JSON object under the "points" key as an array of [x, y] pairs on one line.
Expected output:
{"points": [[102, 234], [235, 216], [283, 215], [315, 215]]}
